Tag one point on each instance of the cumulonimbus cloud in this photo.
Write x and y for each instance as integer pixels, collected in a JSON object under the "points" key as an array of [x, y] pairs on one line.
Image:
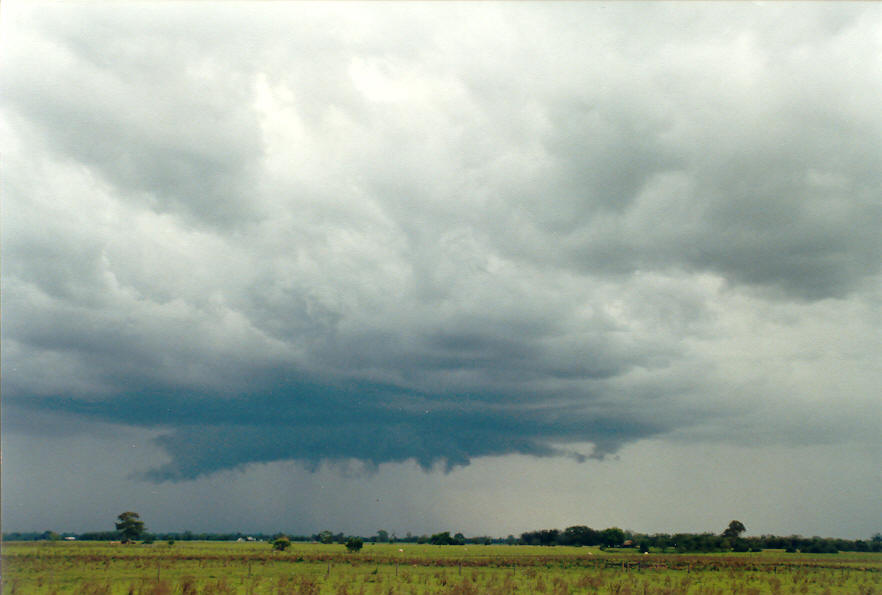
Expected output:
{"points": [[348, 242]]}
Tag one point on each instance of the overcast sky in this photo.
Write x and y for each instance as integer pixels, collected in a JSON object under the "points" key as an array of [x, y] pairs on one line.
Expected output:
{"points": [[479, 267]]}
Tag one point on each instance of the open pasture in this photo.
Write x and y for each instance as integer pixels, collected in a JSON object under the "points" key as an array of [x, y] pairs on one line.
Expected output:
{"points": [[195, 568]]}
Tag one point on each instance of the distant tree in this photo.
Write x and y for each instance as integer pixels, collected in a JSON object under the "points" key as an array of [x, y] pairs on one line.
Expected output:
{"points": [[740, 545], [579, 535], [459, 539], [280, 544], [818, 545], [541, 537], [480, 540], [382, 536], [529, 538], [100, 536], [548, 536], [354, 544], [326, 537], [441, 539], [130, 525], [734, 530], [612, 537]]}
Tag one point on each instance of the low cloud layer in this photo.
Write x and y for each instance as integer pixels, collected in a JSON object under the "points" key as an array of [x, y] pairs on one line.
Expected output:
{"points": [[440, 232]]}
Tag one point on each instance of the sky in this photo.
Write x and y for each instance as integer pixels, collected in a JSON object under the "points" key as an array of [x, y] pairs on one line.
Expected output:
{"points": [[478, 267]]}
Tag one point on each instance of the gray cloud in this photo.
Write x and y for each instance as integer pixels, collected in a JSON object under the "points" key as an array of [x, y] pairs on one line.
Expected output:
{"points": [[316, 234], [143, 107]]}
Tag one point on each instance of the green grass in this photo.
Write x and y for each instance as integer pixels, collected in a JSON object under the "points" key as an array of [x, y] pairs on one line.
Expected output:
{"points": [[191, 568]]}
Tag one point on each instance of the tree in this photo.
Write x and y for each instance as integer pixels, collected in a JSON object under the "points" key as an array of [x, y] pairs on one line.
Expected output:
{"points": [[580, 535], [740, 545], [130, 525], [353, 544], [612, 537], [280, 544], [441, 539], [548, 536], [541, 537], [382, 536], [734, 530]]}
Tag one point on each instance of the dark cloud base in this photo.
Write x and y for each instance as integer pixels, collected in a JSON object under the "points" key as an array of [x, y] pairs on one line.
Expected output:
{"points": [[207, 434]]}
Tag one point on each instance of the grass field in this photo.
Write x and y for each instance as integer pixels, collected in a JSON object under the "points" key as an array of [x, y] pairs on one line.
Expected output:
{"points": [[190, 568]]}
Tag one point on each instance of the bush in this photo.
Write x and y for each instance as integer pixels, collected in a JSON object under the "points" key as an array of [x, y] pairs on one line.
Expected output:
{"points": [[280, 544], [740, 546], [354, 544]]}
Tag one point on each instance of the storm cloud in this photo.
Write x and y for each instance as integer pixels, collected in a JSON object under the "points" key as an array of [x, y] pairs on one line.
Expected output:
{"points": [[440, 232]]}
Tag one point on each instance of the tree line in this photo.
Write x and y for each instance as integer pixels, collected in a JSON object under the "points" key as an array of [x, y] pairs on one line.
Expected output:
{"points": [[730, 540], [129, 527]]}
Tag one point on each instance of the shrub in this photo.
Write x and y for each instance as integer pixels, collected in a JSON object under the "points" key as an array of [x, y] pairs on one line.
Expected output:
{"points": [[354, 544], [280, 544], [740, 546]]}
